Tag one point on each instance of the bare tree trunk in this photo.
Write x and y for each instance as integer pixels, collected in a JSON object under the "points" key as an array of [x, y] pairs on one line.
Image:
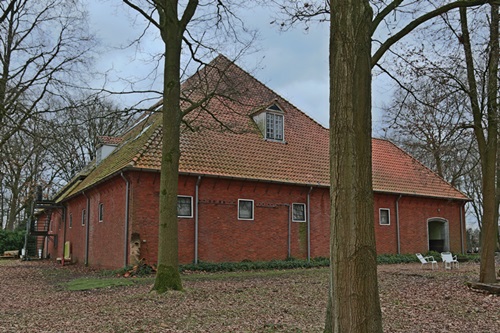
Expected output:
{"points": [[487, 140], [172, 30], [354, 304], [13, 208], [489, 233]]}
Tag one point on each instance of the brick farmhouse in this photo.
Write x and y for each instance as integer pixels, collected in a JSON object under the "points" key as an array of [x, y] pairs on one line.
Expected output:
{"points": [[253, 185]]}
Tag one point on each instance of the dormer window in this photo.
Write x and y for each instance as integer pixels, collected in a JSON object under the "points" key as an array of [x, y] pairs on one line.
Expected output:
{"points": [[274, 126], [105, 147], [271, 123]]}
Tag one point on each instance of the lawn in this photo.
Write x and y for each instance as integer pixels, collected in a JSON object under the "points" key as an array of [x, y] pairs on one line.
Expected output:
{"points": [[35, 297]]}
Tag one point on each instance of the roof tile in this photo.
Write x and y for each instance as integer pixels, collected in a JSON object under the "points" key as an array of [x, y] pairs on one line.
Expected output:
{"points": [[222, 140]]}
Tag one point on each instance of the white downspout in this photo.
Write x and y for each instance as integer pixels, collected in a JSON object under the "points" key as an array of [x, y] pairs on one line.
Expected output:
{"points": [[309, 224], [461, 229], [87, 230], [127, 199], [196, 217], [289, 230], [398, 236]]}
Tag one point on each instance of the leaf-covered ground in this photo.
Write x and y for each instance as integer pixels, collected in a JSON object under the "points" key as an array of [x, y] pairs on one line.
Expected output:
{"points": [[33, 299]]}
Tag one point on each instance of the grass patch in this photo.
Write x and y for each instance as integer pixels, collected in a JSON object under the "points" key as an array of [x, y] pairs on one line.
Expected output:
{"points": [[96, 283]]}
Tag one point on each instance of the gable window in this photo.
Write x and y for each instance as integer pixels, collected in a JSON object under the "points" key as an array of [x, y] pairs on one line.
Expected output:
{"points": [[384, 216], [274, 126], [298, 212], [101, 212], [245, 209], [71, 220], [184, 206], [84, 216], [270, 122]]}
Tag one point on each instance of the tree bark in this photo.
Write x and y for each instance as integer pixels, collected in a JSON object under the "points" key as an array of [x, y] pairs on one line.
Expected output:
{"points": [[354, 304], [167, 276], [172, 30], [487, 140]]}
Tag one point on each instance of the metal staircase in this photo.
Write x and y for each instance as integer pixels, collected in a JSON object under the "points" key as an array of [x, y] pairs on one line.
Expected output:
{"points": [[37, 230]]}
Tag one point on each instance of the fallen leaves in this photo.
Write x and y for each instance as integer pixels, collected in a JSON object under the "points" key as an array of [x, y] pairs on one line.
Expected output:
{"points": [[412, 299]]}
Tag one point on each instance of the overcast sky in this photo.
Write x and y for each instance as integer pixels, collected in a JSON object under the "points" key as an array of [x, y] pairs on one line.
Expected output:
{"points": [[293, 63]]}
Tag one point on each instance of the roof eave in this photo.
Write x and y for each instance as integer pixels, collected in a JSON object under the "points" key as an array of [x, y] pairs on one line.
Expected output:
{"points": [[408, 194]]}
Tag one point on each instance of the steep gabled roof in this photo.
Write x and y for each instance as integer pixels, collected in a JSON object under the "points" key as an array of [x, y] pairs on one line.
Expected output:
{"points": [[221, 139]]}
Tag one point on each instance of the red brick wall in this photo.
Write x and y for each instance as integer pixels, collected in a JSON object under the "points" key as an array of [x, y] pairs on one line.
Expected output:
{"points": [[414, 214], [107, 237], [222, 237]]}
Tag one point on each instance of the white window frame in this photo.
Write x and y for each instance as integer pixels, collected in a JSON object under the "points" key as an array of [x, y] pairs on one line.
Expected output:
{"points": [[305, 211], [191, 210], [100, 212], [253, 210], [282, 130], [84, 217], [388, 216]]}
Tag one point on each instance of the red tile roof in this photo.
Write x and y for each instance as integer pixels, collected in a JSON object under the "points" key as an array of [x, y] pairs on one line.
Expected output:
{"points": [[395, 171], [222, 140]]}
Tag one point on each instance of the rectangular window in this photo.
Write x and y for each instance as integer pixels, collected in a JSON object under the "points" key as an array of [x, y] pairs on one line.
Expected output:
{"points": [[245, 209], [298, 212], [384, 216], [84, 216], [101, 212], [184, 206], [71, 220], [274, 126]]}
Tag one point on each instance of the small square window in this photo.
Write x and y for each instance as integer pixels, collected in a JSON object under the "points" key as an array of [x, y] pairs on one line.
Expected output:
{"points": [[384, 216], [84, 216], [298, 212], [184, 206], [245, 209], [101, 212]]}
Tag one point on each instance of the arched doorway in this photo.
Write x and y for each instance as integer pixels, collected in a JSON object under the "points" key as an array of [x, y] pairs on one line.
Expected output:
{"points": [[438, 235]]}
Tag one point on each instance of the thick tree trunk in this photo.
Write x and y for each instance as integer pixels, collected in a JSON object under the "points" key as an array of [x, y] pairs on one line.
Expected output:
{"points": [[167, 276], [487, 141], [354, 304], [489, 232]]}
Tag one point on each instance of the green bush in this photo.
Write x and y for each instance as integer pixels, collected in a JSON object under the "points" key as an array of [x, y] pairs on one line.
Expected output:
{"points": [[247, 265], [396, 258], [11, 240]]}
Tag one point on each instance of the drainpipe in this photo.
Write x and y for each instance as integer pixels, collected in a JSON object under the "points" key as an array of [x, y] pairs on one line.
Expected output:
{"points": [[127, 199], [196, 217], [461, 228], [87, 230], [398, 237], [64, 232], [309, 224], [289, 230]]}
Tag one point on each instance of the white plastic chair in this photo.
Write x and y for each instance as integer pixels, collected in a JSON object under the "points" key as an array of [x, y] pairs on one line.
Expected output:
{"points": [[449, 260], [426, 260]]}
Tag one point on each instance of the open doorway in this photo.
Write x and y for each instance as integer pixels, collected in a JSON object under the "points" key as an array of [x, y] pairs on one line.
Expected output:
{"points": [[438, 235]]}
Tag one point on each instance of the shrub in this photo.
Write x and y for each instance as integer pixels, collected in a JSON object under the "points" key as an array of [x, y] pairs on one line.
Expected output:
{"points": [[247, 265], [396, 258], [11, 240]]}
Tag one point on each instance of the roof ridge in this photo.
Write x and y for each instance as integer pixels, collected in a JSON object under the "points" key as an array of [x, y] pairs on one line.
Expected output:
{"points": [[423, 165]]}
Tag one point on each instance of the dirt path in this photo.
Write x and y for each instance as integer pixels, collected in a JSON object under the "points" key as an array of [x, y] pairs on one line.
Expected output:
{"points": [[413, 300]]}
